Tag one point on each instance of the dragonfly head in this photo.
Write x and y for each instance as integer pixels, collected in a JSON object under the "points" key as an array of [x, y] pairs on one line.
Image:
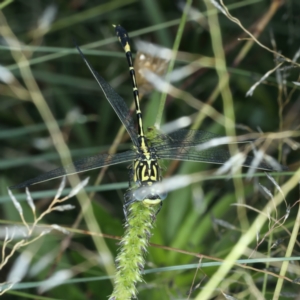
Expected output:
{"points": [[148, 194]]}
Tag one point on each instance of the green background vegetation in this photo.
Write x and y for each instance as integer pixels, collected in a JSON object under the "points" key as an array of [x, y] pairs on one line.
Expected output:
{"points": [[89, 125]]}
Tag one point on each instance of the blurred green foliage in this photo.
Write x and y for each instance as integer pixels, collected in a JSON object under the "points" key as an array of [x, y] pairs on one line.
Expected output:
{"points": [[90, 125]]}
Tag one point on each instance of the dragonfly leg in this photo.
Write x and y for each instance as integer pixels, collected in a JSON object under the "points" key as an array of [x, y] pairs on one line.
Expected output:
{"points": [[128, 199], [156, 213], [125, 209], [159, 208], [130, 173], [125, 212]]}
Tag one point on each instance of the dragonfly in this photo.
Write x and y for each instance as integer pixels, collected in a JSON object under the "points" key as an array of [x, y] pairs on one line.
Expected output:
{"points": [[145, 170]]}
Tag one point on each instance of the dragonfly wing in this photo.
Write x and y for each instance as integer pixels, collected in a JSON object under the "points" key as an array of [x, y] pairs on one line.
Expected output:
{"points": [[81, 165], [181, 145], [212, 155], [116, 101], [183, 137]]}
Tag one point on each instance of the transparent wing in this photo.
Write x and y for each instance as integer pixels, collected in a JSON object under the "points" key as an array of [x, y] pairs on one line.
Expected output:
{"points": [[116, 101], [81, 165], [180, 145], [183, 137]]}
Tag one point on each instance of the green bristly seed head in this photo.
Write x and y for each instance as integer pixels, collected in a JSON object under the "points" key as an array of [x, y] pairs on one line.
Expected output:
{"points": [[130, 260]]}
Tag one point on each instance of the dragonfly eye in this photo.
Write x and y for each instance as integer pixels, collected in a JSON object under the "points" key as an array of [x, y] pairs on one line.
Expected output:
{"points": [[163, 195], [140, 194]]}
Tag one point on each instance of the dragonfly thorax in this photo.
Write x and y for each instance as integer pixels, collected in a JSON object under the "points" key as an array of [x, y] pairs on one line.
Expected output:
{"points": [[146, 169]]}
